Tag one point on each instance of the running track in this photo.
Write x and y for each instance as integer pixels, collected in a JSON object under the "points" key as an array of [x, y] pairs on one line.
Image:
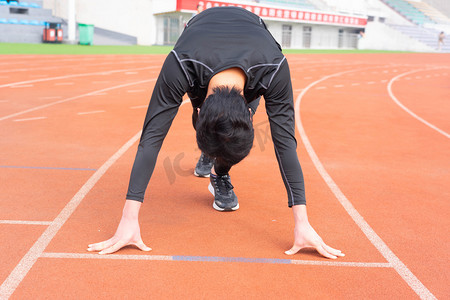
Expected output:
{"points": [[373, 134]]}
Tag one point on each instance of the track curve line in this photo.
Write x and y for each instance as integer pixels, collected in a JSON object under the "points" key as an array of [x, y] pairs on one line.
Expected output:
{"points": [[391, 94], [73, 98], [415, 284]]}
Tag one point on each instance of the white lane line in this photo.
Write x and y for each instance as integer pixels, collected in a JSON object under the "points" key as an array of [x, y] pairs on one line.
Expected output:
{"points": [[321, 87], [384, 80], [74, 76], [91, 112], [21, 86], [298, 90], [355, 83], [30, 119], [371, 82], [73, 98], [170, 258], [15, 222], [65, 83], [114, 256], [389, 87], [338, 85], [373, 237], [23, 267], [136, 91], [29, 259], [341, 264], [138, 106]]}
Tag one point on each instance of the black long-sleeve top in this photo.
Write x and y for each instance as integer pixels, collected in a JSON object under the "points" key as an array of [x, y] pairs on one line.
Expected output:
{"points": [[215, 40]]}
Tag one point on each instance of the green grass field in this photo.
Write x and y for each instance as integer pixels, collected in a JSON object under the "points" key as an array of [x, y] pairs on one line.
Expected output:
{"points": [[10, 48]]}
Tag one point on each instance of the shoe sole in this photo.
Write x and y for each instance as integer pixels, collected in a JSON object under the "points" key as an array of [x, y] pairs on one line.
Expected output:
{"points": [[203, 176], [215, 206]]}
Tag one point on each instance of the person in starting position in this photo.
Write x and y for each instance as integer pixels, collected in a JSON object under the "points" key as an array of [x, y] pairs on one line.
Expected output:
{"points": [[225, 60]]}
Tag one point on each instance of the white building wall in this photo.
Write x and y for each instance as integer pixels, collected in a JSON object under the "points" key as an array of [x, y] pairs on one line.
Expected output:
{"points": [[324, 37], [133, 18], [297, 36], [275, 29], [144, 20]]}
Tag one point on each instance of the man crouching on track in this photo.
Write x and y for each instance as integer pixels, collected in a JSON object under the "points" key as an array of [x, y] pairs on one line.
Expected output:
{"points": [[225, 60]]}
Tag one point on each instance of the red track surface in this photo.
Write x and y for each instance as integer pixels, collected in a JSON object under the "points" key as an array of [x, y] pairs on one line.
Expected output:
{"points": [[63, 118]]}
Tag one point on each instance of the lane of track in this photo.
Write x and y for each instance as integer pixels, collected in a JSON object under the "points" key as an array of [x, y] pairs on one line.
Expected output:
{"points": [[387, 253], [245, 192], [391, 166]]}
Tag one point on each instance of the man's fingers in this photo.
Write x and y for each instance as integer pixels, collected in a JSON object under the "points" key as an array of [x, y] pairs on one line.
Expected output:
{"points": [[332, 250], [293, 250], [100, 246], [324, 252], [142, 246], [120, 244]]}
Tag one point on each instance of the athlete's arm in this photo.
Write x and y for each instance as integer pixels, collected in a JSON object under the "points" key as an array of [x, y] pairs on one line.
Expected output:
{"points": [[166, 98], [280, 108]]}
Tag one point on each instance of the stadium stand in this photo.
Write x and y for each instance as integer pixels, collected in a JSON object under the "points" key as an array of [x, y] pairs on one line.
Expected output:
{"points": [[430, 12], [441, 5], [410, 12], [24, 22], [428, 36]]}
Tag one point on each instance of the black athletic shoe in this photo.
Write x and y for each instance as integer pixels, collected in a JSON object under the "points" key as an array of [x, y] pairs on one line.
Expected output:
{"points": [[204, 166], [224, 197]]}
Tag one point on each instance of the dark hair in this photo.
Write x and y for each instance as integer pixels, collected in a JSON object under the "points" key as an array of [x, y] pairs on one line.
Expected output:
{"points": [[224, 126]]}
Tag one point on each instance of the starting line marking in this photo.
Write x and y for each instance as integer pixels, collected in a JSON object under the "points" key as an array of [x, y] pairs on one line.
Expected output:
{"points": [[30, 119], [217, 259], [21, 86], [16, 222]]}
